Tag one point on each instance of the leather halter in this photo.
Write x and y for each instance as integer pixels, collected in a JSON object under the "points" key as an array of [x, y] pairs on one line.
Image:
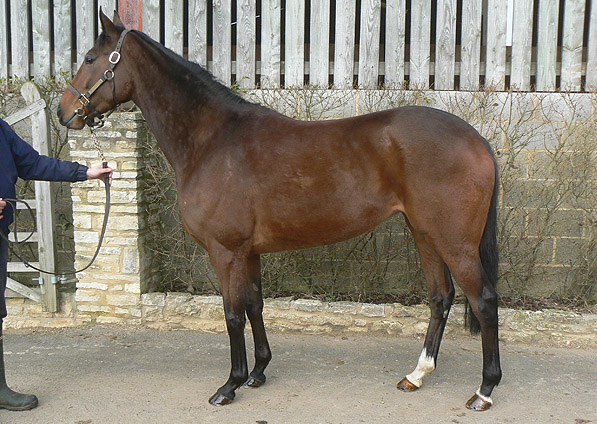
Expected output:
{"points": [[85, 99]]}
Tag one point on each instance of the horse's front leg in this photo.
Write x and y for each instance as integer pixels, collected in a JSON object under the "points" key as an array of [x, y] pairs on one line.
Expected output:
{"points": [[231, 269]]}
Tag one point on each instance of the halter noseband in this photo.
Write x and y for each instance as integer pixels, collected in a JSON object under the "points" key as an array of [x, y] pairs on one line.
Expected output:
{"points": [[85, 99]]}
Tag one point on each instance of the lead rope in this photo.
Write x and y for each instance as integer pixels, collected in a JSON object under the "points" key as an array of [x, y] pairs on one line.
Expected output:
{"points": [[13, 204]]}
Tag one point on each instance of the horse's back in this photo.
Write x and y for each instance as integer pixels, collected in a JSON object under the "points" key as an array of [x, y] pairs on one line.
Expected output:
{"points": [[325, 181]]}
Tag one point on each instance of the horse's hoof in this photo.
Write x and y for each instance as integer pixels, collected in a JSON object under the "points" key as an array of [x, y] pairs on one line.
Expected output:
{"points": [[479, 403], [219, 400], [253, 382], [406, 386]]}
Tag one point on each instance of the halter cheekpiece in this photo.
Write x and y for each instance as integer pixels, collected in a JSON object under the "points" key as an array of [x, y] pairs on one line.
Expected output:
{"points": [[85, 99]]}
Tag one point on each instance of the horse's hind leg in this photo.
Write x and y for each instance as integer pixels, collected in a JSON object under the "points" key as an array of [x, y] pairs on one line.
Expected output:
{"points": [[482, 296], [263, 353], [441, 294]]}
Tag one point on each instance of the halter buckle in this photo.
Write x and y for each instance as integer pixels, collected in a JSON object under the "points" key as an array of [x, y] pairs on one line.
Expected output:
{"points": [[84, 100], [109, 74], [114, 57]]}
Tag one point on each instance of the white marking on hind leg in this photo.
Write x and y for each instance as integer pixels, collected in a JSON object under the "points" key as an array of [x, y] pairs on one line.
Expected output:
{"points": [[487, 399], [425, 367]]}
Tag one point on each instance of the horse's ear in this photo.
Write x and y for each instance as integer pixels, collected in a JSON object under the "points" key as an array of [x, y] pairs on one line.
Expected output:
{"points": [[107, 25], [116, 19]]}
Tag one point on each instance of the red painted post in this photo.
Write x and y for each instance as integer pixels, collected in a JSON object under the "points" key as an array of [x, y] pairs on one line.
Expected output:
{"points": [[130, 13]]}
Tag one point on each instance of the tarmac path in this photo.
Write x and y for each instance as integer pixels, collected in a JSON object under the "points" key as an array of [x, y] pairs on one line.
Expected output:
{"points": [[102, 374]]}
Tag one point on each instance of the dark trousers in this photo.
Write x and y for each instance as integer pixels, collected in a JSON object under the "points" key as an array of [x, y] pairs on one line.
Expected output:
{"points": [[3, 266]]}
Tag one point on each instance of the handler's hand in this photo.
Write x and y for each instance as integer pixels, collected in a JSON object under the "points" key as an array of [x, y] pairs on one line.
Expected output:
{"points": [[97, 172], [2, 205]]}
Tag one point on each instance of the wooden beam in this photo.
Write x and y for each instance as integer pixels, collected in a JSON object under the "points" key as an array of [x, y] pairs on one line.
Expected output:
{"points": [[23, 290], [26, 112]]}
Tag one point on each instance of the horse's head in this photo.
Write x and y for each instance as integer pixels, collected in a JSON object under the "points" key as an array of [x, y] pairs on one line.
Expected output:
{"points": [[102, 81]]}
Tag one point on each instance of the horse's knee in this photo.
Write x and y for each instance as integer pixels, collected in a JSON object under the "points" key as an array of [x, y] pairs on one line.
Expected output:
{"points": [[255, 307], [440, 303], [235, 322]]}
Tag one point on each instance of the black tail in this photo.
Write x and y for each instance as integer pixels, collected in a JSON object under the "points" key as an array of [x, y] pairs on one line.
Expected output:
{"points": [[488, 251]]}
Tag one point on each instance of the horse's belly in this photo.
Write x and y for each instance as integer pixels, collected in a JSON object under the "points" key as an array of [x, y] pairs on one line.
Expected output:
{"points": [[316, 229]]}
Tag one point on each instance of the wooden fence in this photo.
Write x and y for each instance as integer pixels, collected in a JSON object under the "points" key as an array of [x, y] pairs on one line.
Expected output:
{"points": [[543, 45]]}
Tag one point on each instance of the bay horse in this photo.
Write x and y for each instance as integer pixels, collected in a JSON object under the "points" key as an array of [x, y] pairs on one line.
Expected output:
{"points": [[252, 181]]}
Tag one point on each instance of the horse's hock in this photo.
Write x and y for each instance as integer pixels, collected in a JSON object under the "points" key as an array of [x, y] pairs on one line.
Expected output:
{"points": [[115, 289]]}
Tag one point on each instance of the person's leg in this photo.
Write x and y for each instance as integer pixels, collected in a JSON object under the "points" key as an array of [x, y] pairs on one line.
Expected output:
{"points": [[9, 399]]}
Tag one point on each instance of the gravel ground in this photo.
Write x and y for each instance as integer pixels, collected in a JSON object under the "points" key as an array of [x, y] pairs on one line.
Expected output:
{"points": [[100, 374]]}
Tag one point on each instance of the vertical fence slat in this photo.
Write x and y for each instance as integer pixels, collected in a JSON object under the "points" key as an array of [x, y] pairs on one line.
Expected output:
{"points": [[574, 19], [369, 43], [222, 38], [150, 16], [420, 35], [547, 45], [85, 19], [470, 50], [319, 49], [173, 22], [294, 52], [344, 44], [445, 45], [62, 37], [395, 42], [271, 13], [495, 71], [522, 29], [3, 41], [41, 38], [198, 32], [19, 38], [245, 49], [108, 7], [591, 81]]}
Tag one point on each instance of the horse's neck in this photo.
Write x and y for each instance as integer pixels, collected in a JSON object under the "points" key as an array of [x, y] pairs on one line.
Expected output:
{"points": [[182, 122]]}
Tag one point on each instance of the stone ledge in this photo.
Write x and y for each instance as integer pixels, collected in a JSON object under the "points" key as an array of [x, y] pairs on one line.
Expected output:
{"points": [[307, 316]]}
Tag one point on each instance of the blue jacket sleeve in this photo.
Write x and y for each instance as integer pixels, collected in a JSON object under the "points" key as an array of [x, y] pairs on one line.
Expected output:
{"points": [[33, 166]]}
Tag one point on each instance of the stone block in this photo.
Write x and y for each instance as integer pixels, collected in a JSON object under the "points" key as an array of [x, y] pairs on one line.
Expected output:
{"points": [[351, 308], [280, 303], [180, 304], [86, 237], [371, 310], [124, 223], [123, 299], [132, 288], [93, 308], [130, 260], [92, 286], [152, 313], [308, 305], [153, 299]]}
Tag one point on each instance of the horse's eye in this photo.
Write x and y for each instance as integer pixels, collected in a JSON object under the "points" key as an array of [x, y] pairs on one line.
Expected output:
{"points": [[89, 60]]}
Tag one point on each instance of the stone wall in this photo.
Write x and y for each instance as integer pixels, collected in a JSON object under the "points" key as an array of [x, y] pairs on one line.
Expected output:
{"points": [[305, 316], [110, 290]]}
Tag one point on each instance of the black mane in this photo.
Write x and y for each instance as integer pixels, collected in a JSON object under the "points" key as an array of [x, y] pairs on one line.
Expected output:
{"points": [[196, 77]]}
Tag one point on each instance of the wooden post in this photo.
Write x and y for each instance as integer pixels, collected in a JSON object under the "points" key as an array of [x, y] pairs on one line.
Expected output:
{"points": [[40, 134], [130, 12]]}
